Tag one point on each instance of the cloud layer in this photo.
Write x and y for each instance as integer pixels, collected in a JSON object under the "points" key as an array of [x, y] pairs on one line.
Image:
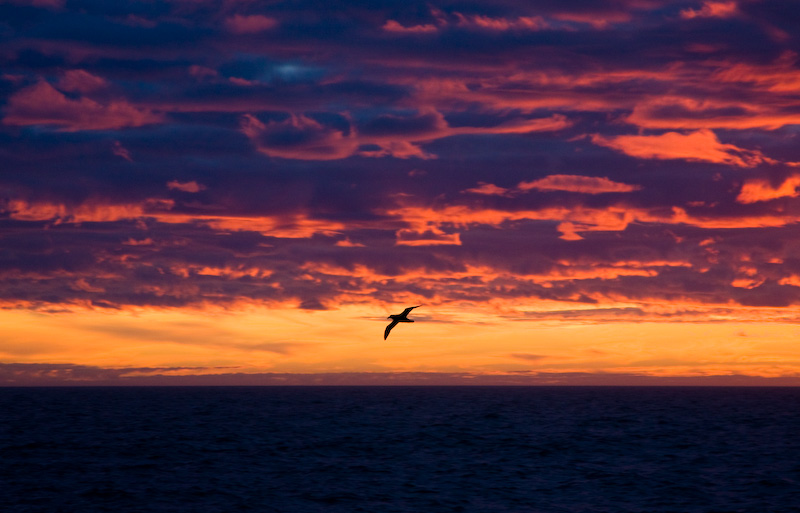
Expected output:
{"points": [[625, 160]]}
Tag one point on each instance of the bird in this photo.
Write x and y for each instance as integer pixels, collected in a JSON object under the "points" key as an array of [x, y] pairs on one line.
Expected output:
{"points": [[402, 317]]}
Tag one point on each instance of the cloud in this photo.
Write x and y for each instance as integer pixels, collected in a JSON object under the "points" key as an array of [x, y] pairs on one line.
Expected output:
{"points": [[252, 24], [574, 219], [393, 26], [89, 211], [81, 81], [469, 22], [191, 186], [780, 76], [482, 22], [68, 374], [296, 224], [446, 220], [171, 157], [31, 374], [698, 146], [43, 104], [567, 183], [347, 243], [489, 189], [598, 20], [712, 9], [759, 189], [303, 138], [691, 113], [299, 137], [120, 151], [574, 183], [432, 237]]}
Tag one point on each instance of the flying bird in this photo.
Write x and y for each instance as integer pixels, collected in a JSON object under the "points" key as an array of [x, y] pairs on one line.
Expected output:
{"points": [[402, 317]]}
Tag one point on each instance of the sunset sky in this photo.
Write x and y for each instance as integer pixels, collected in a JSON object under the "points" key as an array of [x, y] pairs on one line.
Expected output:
{"points": [[240, 192]]}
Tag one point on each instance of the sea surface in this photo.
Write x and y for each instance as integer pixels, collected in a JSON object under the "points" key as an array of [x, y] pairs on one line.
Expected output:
{"points": [[400, 449]]}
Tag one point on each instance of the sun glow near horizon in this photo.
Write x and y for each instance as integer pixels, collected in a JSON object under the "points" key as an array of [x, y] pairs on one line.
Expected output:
{"points": [[348, 340]]}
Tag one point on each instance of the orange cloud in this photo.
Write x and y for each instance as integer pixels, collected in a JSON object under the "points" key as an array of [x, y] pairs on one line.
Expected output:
{"points": [[759, 189], [699, 146], [690, 113], [138, 242], [478, 276], [793, 280], [503, 88], [748, 277], [781, 76], [575, 183], [422, 220], [568, 183], [712, 9], [347, 243], [423, 225], [393, 26], [289, 225], [237, 272], [571, 221], [469, 21], [91, 211], [489, 189], [476, 21], [43, 104]]}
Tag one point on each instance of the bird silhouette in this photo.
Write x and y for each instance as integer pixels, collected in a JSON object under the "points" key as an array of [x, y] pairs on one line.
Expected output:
{"points": [[402, 317]]}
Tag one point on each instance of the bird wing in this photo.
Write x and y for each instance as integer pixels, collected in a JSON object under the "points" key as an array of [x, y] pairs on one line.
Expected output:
{"points": [[389, 328], [408, 310]]}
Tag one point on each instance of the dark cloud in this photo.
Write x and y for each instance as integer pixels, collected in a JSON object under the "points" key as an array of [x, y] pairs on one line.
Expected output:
{"points": [[44, 374]]}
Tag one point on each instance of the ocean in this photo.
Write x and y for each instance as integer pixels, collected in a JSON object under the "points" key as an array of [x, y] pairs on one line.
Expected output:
{"points": [[400, 449]]}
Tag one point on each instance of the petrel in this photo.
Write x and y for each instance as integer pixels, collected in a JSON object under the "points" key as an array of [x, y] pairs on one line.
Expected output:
{"points": [[403, 317]]}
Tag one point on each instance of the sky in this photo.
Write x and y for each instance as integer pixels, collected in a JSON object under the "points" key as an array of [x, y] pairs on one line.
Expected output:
{"points": [[240, 192]]}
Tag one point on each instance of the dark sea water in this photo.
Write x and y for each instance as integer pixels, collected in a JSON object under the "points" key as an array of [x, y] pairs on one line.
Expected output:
{"points": [[400, 449]]}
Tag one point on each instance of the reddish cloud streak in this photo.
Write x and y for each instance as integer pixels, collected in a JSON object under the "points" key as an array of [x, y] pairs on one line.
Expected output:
{"points": [[582, 184], [501, 24], [567, 183], [712, 9], [299, 137], [81, 81], [303, 138], [393, 26], [239, 24], [191, 186], [698, 146], [43, 104]]}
